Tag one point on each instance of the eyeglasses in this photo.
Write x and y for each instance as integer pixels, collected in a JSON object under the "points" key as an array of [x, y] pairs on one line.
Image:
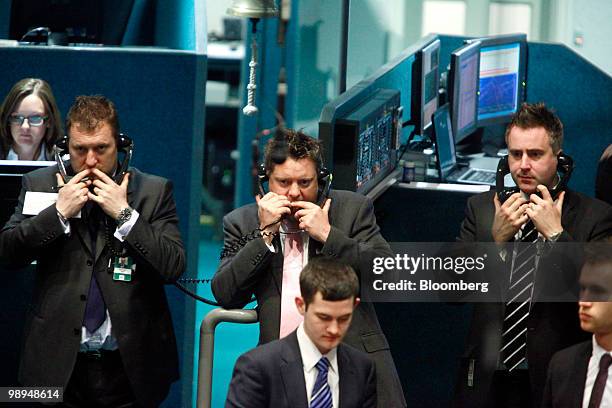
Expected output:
{"points": [[34, 120]]}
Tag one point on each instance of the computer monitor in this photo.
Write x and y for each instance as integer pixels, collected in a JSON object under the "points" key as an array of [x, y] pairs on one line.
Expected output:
{"points": [[463, 80], [425, 83], [362, 145], [10, 183], [503, 71]]}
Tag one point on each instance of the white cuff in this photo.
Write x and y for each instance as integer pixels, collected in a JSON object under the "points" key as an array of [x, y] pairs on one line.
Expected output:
{"points": [[124, 230]]}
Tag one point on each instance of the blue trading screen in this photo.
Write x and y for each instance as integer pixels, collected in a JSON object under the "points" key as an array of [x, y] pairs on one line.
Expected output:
{"points": [[468, 86], [499, 81], [375, 148]]}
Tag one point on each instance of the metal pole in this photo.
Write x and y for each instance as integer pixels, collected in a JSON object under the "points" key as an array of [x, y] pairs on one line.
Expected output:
{"points": [[207, 347], [344, 31]]}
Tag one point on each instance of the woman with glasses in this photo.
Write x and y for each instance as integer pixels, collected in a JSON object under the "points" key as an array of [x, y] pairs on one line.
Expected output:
{"points": [[31, 122]]}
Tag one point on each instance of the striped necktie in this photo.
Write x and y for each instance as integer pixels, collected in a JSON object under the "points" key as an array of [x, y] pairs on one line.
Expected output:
{"points": [[321, 393], [518, 304]]}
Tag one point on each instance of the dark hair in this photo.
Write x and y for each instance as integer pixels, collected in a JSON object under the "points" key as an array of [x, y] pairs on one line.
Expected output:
{"points": [[599, 252], [294, 144], [335, 280], [91, 111], [23, 88], [533, 115]]}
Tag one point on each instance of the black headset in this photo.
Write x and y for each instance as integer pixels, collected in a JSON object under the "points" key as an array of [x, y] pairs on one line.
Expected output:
{"points": [[565, 166], [124, 144]]}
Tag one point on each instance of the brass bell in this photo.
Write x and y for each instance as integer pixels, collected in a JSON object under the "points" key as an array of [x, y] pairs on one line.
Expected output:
{"points": [[253, 8]]}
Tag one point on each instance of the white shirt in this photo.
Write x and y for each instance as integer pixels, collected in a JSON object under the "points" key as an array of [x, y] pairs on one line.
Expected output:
{"points": [[606, 401], [310, 357], [12, 155]]}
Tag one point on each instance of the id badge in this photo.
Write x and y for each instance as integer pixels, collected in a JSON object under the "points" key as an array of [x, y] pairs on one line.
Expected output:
{"points": [[123, 267]]}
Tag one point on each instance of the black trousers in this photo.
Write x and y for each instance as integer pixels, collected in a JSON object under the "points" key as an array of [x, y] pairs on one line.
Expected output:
{"points": [[99, 381], [511, 390]]}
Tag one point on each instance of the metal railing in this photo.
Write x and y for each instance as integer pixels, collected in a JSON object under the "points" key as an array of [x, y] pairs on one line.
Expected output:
{"points": [[207, 347]]}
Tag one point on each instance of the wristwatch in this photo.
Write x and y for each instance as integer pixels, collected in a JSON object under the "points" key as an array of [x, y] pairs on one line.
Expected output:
{"points": [[554, 237], [124, 216]]}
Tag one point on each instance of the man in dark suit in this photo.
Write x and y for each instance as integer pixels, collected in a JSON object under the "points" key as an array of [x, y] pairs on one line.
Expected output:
{"points": [[310, 367], [257, 261], [603, 179], [99, 323], [489, 375], [578, 375]]}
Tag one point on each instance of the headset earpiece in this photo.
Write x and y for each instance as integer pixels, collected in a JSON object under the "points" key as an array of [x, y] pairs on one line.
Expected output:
{"points": [[62, 144], [124, 142]]}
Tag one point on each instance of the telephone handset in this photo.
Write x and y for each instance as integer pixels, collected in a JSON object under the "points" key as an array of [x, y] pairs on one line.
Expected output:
{"points": [[324, 178], [565, 166], [125, 145]]}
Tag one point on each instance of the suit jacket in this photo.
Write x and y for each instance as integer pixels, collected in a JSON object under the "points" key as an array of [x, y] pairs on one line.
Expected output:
{"points": [[253, 269], [139, 312], [567, 376], [272, 376], [551, 326], [603, 178]]}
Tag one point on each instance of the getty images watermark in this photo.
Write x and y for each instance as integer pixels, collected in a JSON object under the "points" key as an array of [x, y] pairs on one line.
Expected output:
{"points": [[411, 265], [466, 272]]}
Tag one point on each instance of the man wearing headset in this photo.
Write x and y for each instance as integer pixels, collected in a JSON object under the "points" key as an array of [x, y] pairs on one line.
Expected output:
{"points": [[508, 351], [295, 222], [99, 325]]}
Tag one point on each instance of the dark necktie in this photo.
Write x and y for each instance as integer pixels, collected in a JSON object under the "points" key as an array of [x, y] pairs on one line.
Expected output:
{"points": [[514, 335], [321, 393], [600, 381], [95, 310]]}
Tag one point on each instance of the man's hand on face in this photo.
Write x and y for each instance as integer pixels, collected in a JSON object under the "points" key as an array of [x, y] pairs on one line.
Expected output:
{"points": [[110, 196], [509, 217], [270, 209], [73, 195], [313, 219], [545, 213]]}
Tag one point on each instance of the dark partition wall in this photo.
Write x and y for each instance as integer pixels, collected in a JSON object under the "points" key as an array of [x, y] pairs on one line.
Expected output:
{"points": [[426, 338], [581, 94], [159, 95]]}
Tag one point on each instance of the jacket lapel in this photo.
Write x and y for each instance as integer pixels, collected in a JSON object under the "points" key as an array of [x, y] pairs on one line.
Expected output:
{"points": [[581, 365], [277, 264], [80, 227], [346, 371], [292, 370]]}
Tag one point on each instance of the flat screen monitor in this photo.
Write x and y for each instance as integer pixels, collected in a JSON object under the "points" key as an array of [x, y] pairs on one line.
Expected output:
{"points": [[363, 144], [425, 83], [463, 89], [502, 80], [10, 183]]}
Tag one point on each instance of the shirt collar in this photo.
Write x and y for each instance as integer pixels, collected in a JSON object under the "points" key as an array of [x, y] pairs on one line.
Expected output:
{"points": [[311, 354], [12, 155], [598, 351]]}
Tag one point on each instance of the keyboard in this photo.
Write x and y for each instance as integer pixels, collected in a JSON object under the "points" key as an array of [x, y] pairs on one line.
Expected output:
{"points": [[478, 176]]}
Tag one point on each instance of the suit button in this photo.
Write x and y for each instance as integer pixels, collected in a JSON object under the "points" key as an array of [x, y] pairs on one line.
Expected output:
{"points": [[83, 298], [531, 329], [77, 332], [89, 263]]}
